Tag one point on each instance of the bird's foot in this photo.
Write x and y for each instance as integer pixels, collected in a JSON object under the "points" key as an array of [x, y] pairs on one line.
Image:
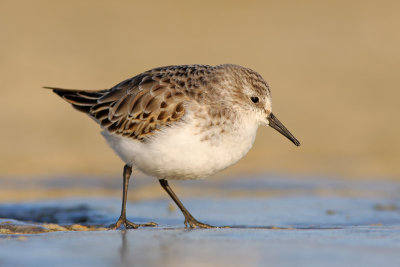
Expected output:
{"points": [[122, 221], [191, 222]]}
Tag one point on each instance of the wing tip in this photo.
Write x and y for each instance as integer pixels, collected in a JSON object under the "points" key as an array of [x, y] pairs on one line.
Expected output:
{"points": [[59, 91]]}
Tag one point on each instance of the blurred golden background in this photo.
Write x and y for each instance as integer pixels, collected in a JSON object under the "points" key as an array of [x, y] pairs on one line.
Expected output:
{"points": [[333, 68]]}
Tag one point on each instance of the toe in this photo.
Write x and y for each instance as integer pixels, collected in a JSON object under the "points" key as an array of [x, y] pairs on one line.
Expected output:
{"points": [[149, 224]]}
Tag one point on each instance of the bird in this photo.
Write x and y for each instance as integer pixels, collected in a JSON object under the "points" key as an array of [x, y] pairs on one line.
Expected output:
{"points": [[179, 122]]}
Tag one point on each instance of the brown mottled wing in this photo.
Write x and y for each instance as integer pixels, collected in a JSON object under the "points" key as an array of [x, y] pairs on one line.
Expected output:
{"points": [[135, 108]]}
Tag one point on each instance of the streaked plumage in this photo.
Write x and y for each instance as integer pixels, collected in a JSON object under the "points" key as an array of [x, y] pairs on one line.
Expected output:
{"points": [[181, 122], [140, 106]]}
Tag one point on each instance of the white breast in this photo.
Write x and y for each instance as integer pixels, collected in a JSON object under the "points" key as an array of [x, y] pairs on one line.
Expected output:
{"points": [[180, 152]]}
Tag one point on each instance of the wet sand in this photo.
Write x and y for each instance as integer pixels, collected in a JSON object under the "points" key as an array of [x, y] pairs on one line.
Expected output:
{"points": [[276, 221]]}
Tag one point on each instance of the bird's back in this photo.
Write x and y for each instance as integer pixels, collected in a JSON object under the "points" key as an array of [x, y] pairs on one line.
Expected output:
{"points": [[140, 106]]}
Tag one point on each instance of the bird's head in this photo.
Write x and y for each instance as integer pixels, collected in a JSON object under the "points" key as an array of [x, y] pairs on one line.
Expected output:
{"points": [[254, 91]]}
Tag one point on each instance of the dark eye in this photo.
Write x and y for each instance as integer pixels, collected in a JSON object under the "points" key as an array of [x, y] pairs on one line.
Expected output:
{"points": [[254, 99]]}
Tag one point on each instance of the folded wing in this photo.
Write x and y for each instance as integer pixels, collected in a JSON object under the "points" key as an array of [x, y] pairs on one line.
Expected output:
{"points": [[135, 108]]}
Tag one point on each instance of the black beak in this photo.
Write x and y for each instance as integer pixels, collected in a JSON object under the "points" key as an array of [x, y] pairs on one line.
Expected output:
{"points": [[277, 125]]}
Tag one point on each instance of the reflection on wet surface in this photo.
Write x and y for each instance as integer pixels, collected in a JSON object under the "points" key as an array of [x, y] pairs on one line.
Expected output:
{"points": [[325, 223], [354, 246]]}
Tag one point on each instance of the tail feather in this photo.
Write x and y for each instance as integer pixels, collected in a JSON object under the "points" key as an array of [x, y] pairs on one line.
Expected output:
{"points": [[81, 100]]}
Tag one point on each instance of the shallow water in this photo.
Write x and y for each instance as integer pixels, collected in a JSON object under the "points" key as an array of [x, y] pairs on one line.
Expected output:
{"points": [[276, 220]]}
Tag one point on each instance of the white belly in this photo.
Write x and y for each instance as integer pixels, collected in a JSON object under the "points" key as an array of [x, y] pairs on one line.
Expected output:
{"points": [[179, 153]]}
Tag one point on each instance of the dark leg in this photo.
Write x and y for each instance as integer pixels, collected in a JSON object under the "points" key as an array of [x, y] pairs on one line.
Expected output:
{"points": [[189, 219], [122, 219]]}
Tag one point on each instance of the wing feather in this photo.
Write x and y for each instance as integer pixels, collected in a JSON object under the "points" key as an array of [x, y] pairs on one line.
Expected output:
{"points": [[137, 107]]}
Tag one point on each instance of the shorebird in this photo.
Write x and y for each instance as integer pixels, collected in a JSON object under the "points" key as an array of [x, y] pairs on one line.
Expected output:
{"points": [[180, 122]]}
